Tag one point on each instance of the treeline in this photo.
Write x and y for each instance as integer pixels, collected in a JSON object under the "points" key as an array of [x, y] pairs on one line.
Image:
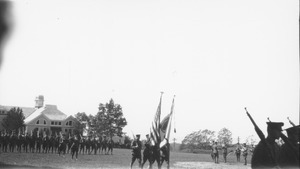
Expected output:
{"points": [[202, 139]]}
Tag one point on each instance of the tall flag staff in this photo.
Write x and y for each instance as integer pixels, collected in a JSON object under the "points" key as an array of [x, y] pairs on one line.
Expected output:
{"points": [[155, 133], [165, 144]]}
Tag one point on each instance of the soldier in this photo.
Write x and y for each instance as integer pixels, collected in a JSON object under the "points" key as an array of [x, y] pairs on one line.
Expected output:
{"points": [[26, 143], [12, 142], [45, 143], [99, 140], [94, 145], [57, 139], [136, 146], [62, 145], [212, 151], [238, 152], [31, 142], [75, 147], [245, 152], [104, 145], [288, 159], [5, 142], [266, 153], [165, 154], [110, 145], [19, 142], [224, 149], [88, 145], [69, 142], [82, 144], [216, 152], [147, 154], [52, 144], [39, 141]]}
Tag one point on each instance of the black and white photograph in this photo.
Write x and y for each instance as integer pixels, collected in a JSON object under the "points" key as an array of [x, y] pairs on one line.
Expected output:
{"points": [[202, 84]]}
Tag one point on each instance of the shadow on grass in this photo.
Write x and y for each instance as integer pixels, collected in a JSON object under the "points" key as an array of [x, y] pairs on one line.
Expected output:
{"points": [[4, 165]]}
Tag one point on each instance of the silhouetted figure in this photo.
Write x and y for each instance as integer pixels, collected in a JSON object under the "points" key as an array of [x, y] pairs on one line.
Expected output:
{"points": [[266, 153], [288, 159]]}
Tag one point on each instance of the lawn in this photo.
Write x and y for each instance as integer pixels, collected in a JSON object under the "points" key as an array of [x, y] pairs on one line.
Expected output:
{"points": [[120, 159]]}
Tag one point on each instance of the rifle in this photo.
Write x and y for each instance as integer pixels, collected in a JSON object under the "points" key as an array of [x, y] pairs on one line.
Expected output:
{"points": [[262, 138], [291, 122]]}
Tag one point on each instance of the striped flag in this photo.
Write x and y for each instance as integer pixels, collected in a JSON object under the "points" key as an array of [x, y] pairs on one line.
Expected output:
{"points": [[155, 126], [168, 127]]}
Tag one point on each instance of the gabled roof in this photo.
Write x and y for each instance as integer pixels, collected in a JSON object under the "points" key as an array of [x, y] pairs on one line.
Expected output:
{"points": [[50, 111], [27, 111]]}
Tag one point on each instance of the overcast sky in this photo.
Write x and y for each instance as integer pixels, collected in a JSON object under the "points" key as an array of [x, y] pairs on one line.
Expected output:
{"points": [[216, 56]]}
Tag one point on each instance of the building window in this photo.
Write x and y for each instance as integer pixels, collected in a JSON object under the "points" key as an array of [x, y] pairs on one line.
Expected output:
{"points": [[52, 122], [38, 122], [45, 122], [70, 123], [66, 130], [59, 123]]}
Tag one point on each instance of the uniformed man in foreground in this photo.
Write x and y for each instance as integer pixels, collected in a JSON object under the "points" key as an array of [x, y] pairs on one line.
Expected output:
{"points": [[266, 153], [287, 157], [147, 154], [136, 146]]}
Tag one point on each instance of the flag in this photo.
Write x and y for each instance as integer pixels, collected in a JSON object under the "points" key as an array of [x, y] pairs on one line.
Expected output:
{"points": [[155, 126], [168, 127]]}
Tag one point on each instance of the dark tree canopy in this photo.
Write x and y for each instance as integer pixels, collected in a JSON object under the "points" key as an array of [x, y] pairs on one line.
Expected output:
{"points": [[14, 120], [225, 136], [109, 120], [198, 139]]}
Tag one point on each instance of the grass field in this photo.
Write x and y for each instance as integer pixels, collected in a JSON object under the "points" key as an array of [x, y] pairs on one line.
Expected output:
{"points": [[120, 159]]}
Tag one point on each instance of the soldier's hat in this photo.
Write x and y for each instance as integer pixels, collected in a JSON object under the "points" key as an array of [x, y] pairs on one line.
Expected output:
{"points": [[138, 135], [292, 130], [275, 125], [147, 135]]}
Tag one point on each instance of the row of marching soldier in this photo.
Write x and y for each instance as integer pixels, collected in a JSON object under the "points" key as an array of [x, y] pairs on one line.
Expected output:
{"points": [[59, 143], [268, 154], [151, 153]]}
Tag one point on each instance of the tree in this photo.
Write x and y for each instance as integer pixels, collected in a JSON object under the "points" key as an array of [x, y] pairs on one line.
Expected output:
{"points": [[198, 139], [14, 119], [225, 136], [109, 120], [79, 125]]}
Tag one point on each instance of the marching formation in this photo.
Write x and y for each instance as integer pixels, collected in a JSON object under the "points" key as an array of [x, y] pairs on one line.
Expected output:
{"points": [[60, 144], [269, 154]]}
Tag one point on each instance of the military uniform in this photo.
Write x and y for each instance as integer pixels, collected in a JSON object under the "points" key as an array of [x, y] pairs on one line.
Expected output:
{"points": [[224, 148], [136, 150], [266, 153], [148, 153], [110, 145], [75, 147], [287, 159], [245, 153]]}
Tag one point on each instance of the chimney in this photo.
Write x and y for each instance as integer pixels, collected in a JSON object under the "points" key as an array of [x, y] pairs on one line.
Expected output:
{"points": [[39, 101]]}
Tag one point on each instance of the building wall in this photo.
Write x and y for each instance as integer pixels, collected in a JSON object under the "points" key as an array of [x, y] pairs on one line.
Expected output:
{"points": [[52, 127]]}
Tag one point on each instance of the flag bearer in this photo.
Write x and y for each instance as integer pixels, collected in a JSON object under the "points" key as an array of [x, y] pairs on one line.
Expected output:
{"points": [[136, 146]]}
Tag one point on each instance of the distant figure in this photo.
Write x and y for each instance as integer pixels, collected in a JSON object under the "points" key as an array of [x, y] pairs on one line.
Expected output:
{"points": [[212, 151], [266, 153], [287, 159], [238, 152], [147, 154], [224, 148], [245, 153], [136, 146], [216, 152], [75, 147], [110, 145]]}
